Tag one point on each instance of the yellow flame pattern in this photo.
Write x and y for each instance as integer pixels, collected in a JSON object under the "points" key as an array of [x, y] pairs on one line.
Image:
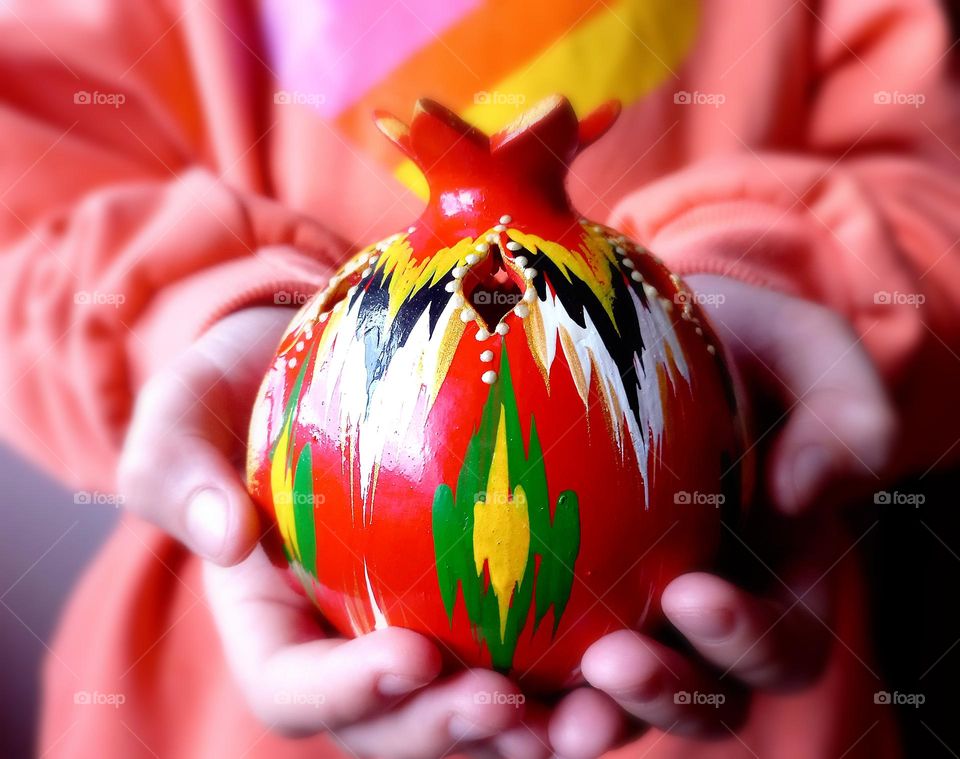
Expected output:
{"points": [[501, 528]]}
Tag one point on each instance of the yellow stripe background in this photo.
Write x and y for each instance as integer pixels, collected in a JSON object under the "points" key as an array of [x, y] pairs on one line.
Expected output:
{"points": [[624, 52]]}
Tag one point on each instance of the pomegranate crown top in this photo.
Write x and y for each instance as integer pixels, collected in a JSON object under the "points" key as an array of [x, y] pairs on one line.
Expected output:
{"points": [[536, 148]]}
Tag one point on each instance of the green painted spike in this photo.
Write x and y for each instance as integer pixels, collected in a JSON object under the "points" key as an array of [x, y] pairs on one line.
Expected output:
{"points": [[533, 478], [558, 552], [304, 518], [557, 541], [445, 535]]}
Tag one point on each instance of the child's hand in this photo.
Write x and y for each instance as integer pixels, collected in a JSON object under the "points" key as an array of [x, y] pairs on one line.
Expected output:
{"points": [[183, 457], [775, 637], [180, 469], [820, 411], [369, 692], [829, 439]]}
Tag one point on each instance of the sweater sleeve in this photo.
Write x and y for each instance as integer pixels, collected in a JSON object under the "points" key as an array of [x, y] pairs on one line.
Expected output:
{"points": [[124, 228], [861, 215]]}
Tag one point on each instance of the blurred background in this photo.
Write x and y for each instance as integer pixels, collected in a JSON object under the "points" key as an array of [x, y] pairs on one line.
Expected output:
{"points": [[46, 539]]}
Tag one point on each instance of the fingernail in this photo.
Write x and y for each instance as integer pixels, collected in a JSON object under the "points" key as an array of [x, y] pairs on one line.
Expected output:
{"points": [[712, 626], [207, 521], [463, 729], [810, 466], [391, 684]]}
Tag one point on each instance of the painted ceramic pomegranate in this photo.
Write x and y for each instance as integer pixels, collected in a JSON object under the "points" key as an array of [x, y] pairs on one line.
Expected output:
{"points": [[506, 427]]}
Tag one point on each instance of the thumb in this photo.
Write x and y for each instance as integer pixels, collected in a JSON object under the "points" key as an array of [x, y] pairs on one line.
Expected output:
{"points": [[181, 460], [837, 431]]}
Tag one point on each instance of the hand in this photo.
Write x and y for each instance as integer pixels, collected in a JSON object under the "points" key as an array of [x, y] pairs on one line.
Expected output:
{"points": [[822, 413], [378, 694], [829, 439]]}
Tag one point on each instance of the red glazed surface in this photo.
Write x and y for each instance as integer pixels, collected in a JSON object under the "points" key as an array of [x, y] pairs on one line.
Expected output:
{"points": [[513, 457]]}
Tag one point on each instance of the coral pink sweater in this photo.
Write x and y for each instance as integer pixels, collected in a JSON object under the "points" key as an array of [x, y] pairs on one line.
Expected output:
{"points": [[164, 163]]}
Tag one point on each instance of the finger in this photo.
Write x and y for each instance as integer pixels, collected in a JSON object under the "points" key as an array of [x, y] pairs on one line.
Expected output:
{"points": [[294, 680], [840, 423], [765, 644], [528, 740], [179, 466], [468, 707], [585, 724], [660, 686]]}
